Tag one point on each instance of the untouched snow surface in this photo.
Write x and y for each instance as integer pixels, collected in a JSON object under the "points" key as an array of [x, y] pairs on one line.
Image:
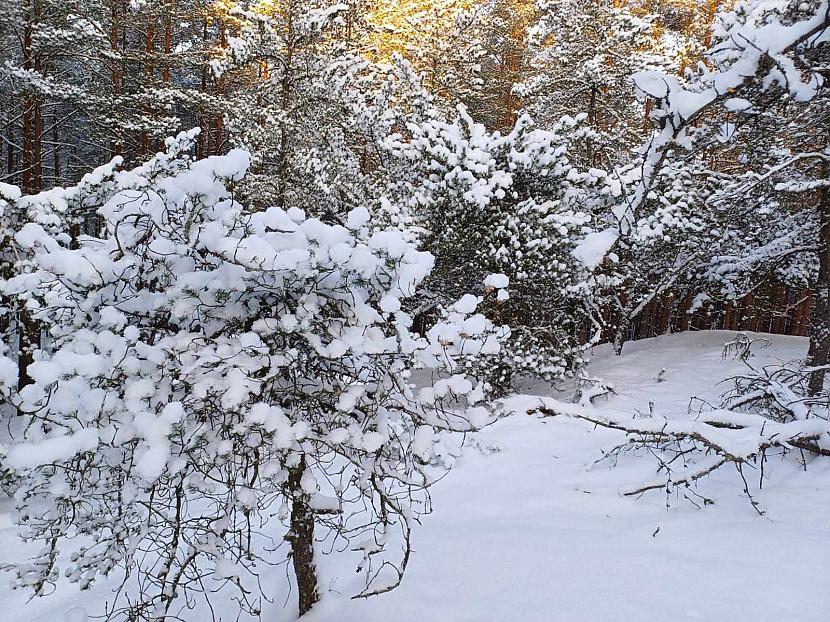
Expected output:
{"points": [[527, 528]]}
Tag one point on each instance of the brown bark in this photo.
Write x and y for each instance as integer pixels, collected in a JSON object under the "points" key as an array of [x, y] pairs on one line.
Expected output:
{"points": [[729, 317], [202, 145], [285, 100], [683, 313], [802, 314], [592, 121], [667, 305], [712, 10], [747, 312], [29, 330], [29, 341], [117, 144], [819, 352], [779, 310], [56, 150], [168, 39], [301, 538], [218, 128], [10, 155], [37, 145], [149, 47]]}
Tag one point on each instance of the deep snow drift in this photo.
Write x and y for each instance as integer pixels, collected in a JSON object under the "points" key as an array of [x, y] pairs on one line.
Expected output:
{"points": [[527, 528]]}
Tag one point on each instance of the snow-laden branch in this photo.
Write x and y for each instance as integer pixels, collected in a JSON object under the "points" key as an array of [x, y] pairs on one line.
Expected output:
{"points": [[754, 50]]}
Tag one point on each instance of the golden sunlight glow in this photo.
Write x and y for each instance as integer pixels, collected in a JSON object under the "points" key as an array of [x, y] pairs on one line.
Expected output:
{"points": [[404, 26]]}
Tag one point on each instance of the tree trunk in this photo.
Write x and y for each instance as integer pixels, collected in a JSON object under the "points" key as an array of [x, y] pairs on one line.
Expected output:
{"points": [[621, 335], [710, 19], [168, 39], [285, 100], [10, 157], [149, 50], [56, 151], [31, 111], [37, 150], [117, 142], [202, 145], [592, 123], [28, 332], [301, 538], [819, 352]]}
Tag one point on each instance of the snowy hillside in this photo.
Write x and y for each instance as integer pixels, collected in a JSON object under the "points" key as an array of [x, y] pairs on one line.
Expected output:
{"points": [[526, 528]]}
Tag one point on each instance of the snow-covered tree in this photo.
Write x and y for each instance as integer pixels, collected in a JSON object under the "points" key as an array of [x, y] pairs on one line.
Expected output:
{"points": [[580, 58], [442, 39], [661, 251], [84, 80], [502, 37], [765, 96], [219, 384], [512, 204], [10, 377], [313, 113]]}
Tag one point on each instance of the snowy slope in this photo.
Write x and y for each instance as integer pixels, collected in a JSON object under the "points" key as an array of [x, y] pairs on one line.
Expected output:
{"points": [[527, 528]]}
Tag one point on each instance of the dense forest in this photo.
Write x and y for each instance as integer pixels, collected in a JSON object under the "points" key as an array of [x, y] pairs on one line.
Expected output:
{"points": [[275, 262]]}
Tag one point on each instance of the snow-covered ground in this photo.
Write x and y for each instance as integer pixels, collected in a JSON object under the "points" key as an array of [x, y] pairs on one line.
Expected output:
{"points": [[527, 528]]}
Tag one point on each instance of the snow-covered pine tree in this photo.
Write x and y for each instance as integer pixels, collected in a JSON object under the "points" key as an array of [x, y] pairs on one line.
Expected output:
{"points": [[502, 36], [580, 57], [10, 376], [442, 39], [661, 251], [313, 113], [84, 80], [763, 87], [516, 205]]}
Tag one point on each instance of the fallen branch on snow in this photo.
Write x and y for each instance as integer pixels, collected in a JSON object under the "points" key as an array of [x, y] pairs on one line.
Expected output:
{"points": [[719, 436]]}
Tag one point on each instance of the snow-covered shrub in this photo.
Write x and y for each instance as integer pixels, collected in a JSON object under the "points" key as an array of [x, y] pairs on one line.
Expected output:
{"points": [[8, 370], [210, 368], [513, 204]]}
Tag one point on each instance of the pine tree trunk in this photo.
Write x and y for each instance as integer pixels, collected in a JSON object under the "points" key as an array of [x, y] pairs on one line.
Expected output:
{"points": [[29, 107], [301, 538], [285, 100], [28, 330], [56, 151], [10, 158], [117, 142], [819, 352], [37, 151], [624, 318], [202, 145], [592, 122], [149, 50], [168, 39], [621, 335]]}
